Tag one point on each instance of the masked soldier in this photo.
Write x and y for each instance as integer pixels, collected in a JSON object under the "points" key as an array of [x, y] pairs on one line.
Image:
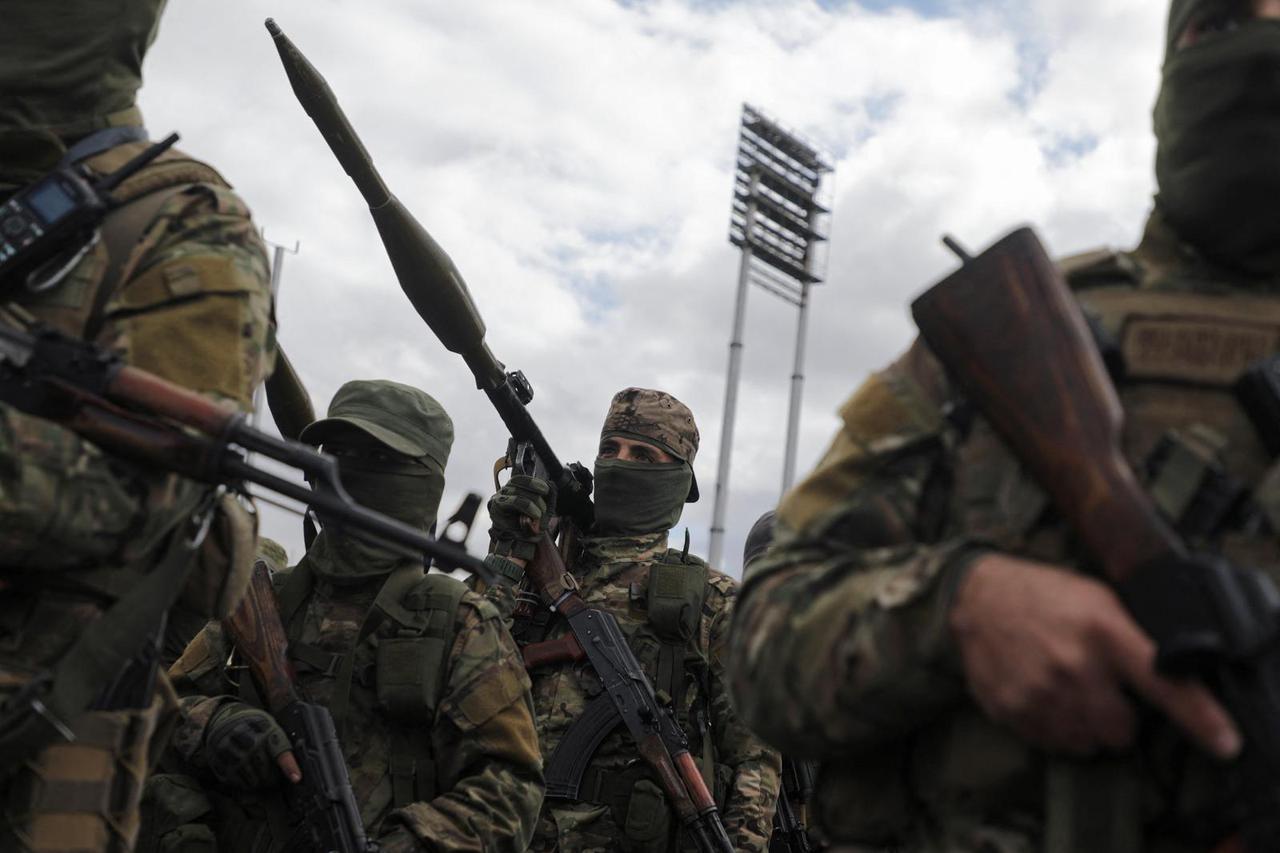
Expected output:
{"points": [[969, 686], [93, 545], [674, 610], [425, 685]]}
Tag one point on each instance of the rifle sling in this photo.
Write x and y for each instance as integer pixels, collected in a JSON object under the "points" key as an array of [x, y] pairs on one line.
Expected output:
{"points": [[37, 716]]}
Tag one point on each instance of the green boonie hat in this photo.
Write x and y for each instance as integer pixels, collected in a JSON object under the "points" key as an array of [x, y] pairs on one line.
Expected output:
{"points": [[403, 418], [657, 417]]}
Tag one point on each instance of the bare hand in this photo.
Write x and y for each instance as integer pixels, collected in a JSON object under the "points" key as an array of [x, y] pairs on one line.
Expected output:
{"points": [[289, 767], [1050, 653]]}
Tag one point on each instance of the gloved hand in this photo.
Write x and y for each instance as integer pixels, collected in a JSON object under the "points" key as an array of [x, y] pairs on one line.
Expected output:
{"points": [[523, 497], [243, 747]]}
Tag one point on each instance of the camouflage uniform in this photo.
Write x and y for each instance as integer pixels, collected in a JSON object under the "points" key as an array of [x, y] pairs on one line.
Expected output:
{"points": [[842, 651], [179, 286], [457, 765], [623, 808]]}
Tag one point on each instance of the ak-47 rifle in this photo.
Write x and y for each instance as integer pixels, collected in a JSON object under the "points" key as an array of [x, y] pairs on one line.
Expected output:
{"points": [[322, 809], [147, 419], [440, 296], [1014, 340]]}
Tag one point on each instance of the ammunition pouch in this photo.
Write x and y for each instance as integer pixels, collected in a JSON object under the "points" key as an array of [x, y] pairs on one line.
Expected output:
{"points": [[1189, 484], [636, 804], [416, 613]]}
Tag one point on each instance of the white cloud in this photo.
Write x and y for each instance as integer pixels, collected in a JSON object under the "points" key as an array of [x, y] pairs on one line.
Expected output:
{"points": [[574, 159]]}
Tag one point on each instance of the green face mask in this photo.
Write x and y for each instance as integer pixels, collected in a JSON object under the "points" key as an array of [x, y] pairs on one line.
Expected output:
{"points": [[634, 498], [407, 492], [1217, 124]]}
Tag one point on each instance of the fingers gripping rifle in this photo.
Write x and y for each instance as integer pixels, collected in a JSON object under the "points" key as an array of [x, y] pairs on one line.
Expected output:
{"points": [[323, 814], [1014, 340], [440, 296]]}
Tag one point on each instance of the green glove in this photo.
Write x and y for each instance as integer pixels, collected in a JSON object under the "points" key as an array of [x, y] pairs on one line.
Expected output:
{"points": [[523, 497], [241, 746]]}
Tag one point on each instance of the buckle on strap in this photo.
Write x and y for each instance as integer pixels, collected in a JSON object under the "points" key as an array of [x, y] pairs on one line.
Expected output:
{"points": [[322, 662], [27, 700]]}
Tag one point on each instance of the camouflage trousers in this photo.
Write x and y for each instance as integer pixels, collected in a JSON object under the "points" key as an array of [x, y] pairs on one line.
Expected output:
{"points": [[82, 796]]}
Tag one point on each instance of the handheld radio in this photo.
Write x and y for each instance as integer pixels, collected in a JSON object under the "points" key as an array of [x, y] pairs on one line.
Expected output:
{"points": [[49, 225]]}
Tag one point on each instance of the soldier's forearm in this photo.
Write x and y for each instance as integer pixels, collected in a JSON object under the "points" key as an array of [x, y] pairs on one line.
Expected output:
{"points": [[867, 661]]}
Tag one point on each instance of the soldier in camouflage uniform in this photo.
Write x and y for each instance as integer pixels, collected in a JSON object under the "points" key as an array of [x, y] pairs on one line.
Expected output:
{"points": [[924, 622], [178, 285], [675, 612], [432, 707]]}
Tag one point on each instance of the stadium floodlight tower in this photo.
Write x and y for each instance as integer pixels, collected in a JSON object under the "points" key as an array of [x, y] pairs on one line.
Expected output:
{"points": [[780, 220]]}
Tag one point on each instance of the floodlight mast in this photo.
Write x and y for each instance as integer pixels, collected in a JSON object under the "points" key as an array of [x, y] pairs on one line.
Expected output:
{"points": [[777, 220]]}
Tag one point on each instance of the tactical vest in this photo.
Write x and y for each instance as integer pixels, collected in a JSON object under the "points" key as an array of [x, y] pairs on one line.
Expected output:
{"points": [[673, 601], [1177, 356], [413, 617]]}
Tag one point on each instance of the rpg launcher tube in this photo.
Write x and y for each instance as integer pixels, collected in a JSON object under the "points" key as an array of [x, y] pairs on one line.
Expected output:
{"points": [[426, 273]]}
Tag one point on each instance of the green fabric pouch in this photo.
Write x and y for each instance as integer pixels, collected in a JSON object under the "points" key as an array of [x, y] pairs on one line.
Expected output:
{"points": [[408, 676], [648, 822]]}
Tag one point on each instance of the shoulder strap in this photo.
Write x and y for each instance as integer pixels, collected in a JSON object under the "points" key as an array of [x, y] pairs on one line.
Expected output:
{"points": [[141, 198], [676, 592], [411, 677], [37, 715], [121, 232]]}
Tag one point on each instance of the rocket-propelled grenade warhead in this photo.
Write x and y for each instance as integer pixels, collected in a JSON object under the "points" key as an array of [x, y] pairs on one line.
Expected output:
{"points": [[318, 100], [426, 273]]}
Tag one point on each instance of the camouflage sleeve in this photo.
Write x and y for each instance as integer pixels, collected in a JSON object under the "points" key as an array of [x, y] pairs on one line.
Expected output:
{"points": [[194, 307], [195, 303], [755, 767], [502, 596], [840, 639], [199, 679], [486, 747]]}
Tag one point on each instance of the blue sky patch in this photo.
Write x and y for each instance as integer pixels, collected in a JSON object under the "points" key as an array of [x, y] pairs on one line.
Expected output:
{"points": [[927, 8]]}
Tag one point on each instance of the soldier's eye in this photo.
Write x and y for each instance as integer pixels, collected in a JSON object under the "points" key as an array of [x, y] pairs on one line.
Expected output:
{"points": [[1224, 19]]}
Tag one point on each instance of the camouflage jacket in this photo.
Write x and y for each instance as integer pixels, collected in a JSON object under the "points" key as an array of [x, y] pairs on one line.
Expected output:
{"points": [[193, 306], [841, 649], [613, 574], [488, 771]]}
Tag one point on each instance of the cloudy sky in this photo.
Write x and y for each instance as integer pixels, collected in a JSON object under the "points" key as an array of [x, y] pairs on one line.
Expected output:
{"points": [[575, 159]]}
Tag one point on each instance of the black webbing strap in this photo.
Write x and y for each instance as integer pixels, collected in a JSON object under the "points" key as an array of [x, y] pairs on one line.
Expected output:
{"points": [[39, 714]]}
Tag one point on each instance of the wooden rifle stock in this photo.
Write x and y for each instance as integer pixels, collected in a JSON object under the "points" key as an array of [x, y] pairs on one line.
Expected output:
{"points": [[1011, 336], [260, 638], [1013, 339]]}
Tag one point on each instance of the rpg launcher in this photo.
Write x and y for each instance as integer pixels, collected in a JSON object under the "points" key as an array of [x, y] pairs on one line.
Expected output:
{"points": [[440, 296]]}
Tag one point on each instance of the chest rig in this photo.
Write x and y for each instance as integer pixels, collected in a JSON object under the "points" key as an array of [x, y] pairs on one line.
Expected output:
{"points": [[410, 629], [672, 600]]}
